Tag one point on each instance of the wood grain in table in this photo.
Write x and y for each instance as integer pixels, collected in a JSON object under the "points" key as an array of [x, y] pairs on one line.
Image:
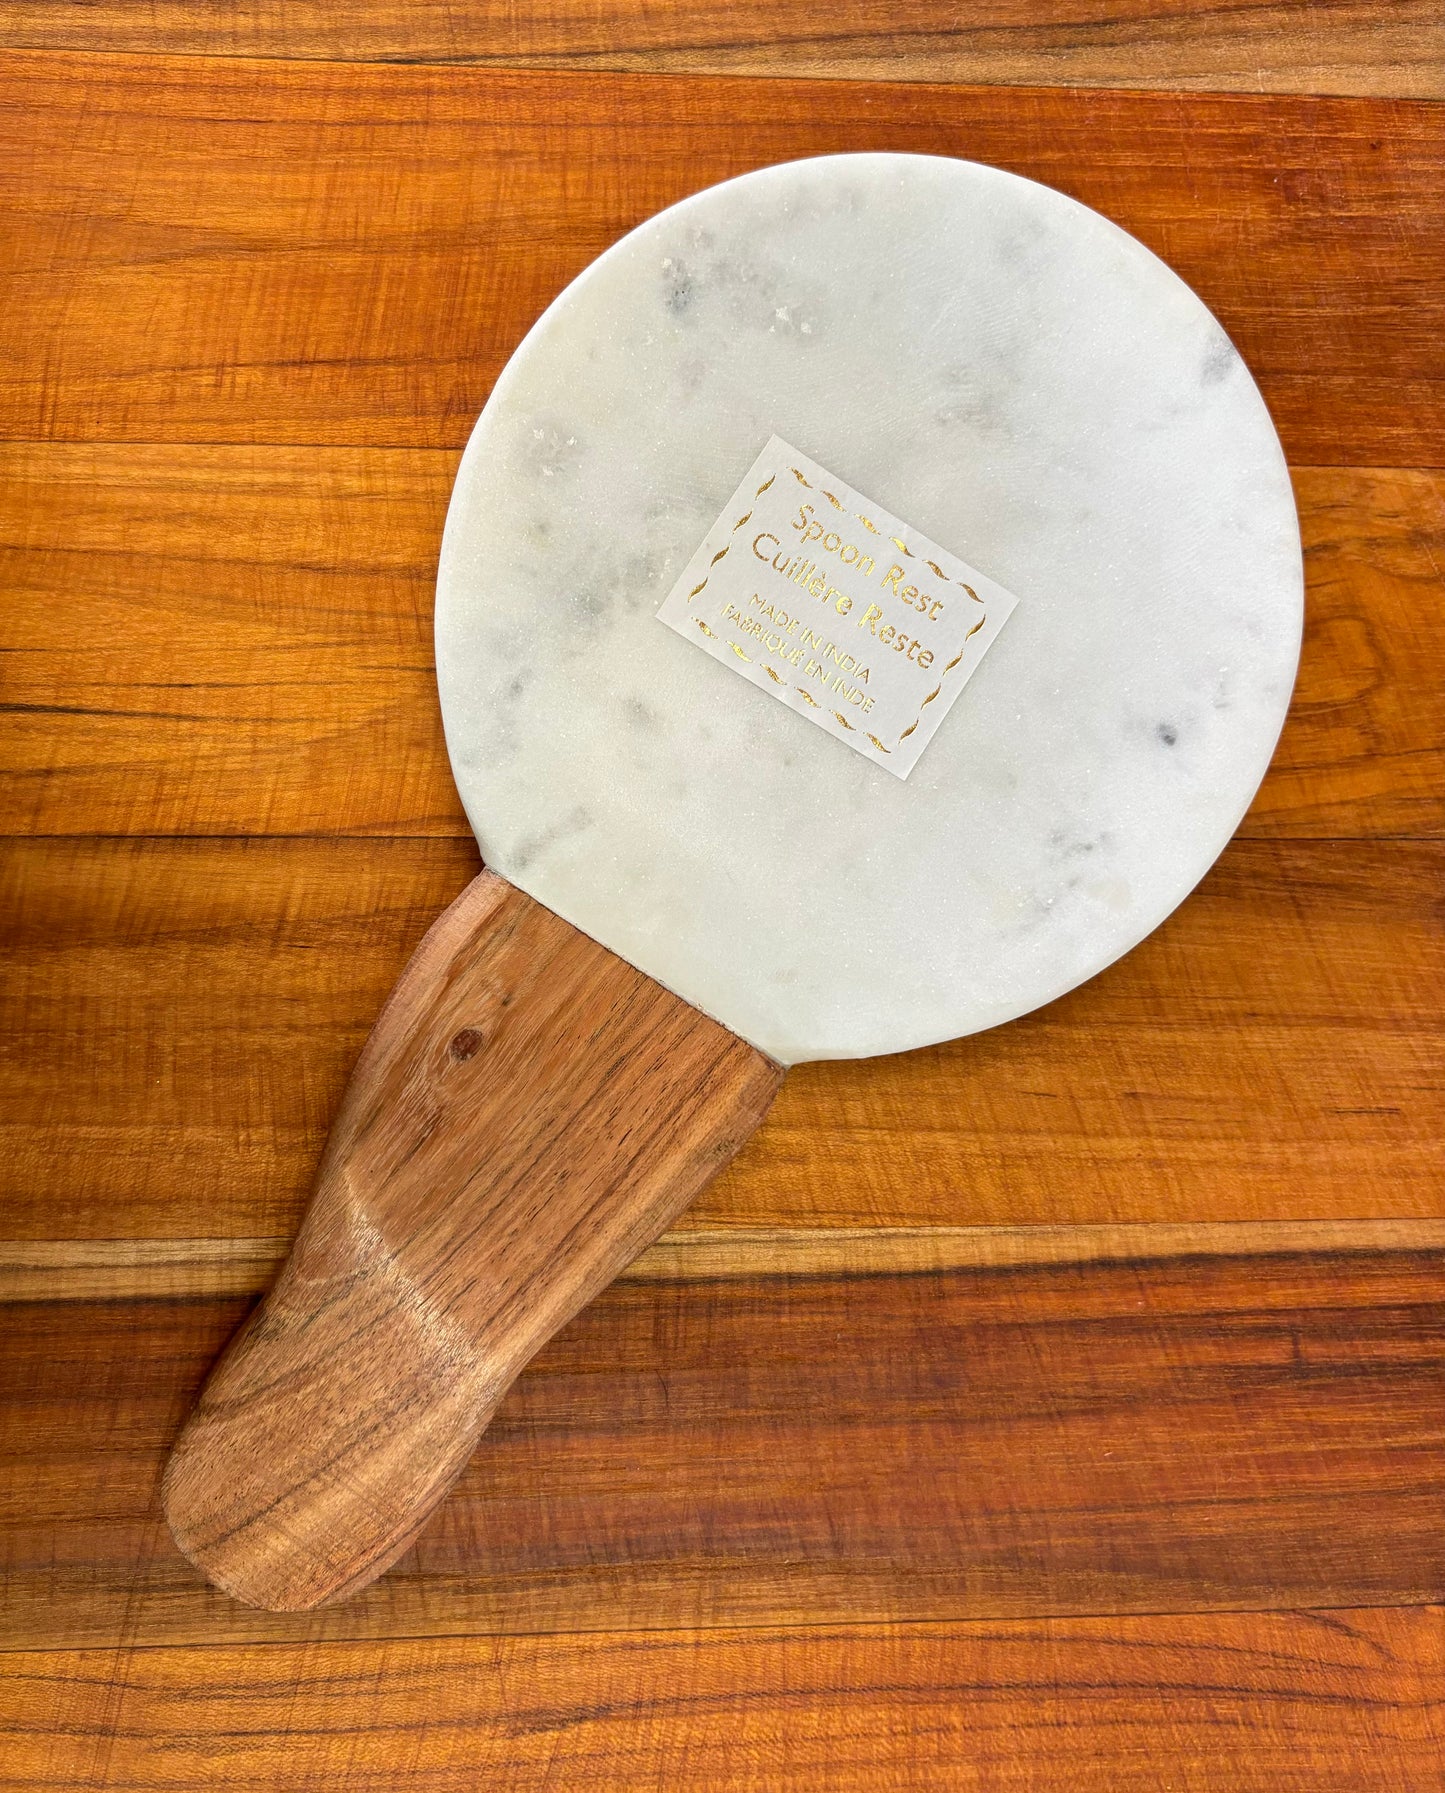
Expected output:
{"points": [[213, 250], [967, 1431], [184, 1014], [1237, 1703], [247, 632], [784, 1445], [1381, 47]]}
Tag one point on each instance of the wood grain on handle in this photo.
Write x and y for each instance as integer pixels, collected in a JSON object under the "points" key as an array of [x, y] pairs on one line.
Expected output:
{"points": [[528, 1114]]}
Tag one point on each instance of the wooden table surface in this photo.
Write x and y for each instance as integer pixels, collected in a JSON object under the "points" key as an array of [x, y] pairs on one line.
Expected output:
{"points": [[1059, 1410]]}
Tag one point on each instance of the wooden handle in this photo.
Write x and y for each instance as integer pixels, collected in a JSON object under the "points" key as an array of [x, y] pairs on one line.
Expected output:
{"points": [[527, 1115]]}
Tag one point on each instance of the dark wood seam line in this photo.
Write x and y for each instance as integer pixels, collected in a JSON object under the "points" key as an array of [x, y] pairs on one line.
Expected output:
{"points": [[575, 65], [454, 450], [128, 1644], [465, 837]]}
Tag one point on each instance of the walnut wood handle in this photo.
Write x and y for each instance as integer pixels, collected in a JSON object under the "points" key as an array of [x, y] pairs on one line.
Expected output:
{"points": [[527, 1115]]}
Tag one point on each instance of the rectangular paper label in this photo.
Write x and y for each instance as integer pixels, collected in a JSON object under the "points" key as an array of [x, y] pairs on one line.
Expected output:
{"points": [[836, 608]]}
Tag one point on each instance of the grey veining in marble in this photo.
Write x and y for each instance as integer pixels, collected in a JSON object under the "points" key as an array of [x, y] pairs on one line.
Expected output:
{"points": [[1020, 380]]}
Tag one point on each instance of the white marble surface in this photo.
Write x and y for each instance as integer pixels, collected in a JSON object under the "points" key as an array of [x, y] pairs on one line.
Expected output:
{"points": [[1021, 381]]}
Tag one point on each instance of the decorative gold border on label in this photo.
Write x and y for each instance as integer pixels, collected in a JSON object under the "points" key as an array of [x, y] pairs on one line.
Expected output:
{"points": [[723, 551], [943, 675], [898, 542]]}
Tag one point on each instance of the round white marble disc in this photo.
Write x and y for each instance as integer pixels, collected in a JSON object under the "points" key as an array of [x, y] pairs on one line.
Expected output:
{"points": [[1018, 379]]}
